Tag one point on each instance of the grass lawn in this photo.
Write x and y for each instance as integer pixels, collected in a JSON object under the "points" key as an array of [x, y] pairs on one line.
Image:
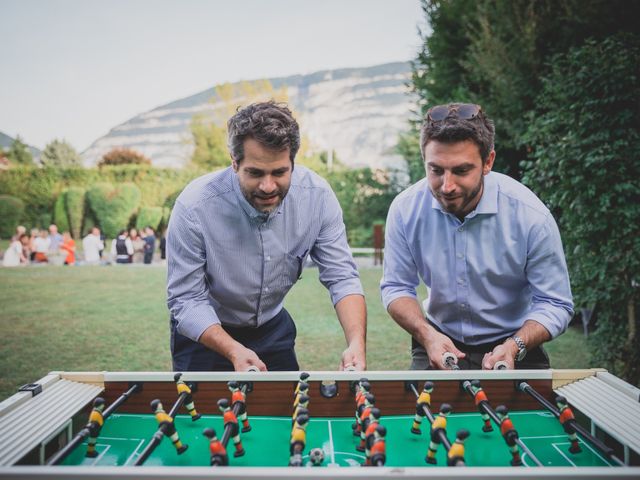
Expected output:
{"points": [[115, 318]]}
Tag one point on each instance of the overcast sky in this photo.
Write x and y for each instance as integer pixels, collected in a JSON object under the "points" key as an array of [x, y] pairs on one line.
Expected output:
{"points": [[74, 69]]}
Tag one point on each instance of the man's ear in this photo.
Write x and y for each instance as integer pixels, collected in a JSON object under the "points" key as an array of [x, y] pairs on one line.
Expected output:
{"points": [[234, 165], [488, 165]]}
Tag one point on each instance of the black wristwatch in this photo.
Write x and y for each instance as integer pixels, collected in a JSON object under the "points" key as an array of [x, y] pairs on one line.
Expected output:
{"points": [[522, 348]]}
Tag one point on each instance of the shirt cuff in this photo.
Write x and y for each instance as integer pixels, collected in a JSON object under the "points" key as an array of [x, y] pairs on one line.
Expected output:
{"points": [[555, 325], [390, 296], [348, 286], [194, 320]]}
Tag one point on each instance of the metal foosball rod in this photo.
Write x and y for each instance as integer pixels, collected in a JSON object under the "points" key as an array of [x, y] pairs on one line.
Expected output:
{"points": [[449, 360], [86, 431], [584, 433]]}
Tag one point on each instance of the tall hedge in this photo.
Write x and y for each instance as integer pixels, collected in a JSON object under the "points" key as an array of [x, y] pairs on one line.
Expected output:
{"points": [[149, 217], [60, 217], [11, 212], [113, 206], [75, 200]]}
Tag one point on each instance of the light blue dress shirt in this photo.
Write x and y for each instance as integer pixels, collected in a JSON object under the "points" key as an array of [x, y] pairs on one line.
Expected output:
{"points": [[487, 275], [230, 264]]}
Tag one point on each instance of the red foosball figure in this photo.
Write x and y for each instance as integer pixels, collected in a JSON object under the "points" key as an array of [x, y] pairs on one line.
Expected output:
{"points": [[439, 424], [363, 421], [566, 420], [424, 399], [363, 388], [379, 447], [369, 434], [95, 425], [166, 424], [455, 455], [479, 397], [188, 399], [239, 398], [231, 421], [218, 452], [509, 433]]}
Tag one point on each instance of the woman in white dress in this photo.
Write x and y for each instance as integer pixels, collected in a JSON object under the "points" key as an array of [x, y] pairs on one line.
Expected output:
{"points": [[14, 257]]}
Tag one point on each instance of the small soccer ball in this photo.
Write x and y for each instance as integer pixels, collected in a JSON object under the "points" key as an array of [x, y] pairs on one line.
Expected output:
{"points": [[316, 456]]}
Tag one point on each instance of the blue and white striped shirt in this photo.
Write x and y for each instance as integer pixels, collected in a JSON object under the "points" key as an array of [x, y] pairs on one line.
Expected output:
{"points": [[230, 264], [487, 275]]}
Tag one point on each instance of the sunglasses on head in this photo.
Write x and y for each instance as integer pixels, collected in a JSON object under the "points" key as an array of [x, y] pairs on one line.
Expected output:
{"points": [[464, 111]]}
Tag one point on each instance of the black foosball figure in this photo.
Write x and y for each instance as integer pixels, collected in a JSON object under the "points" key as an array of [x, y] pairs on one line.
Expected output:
{"points": [[188, 399], [231, 421], [302, 404], [424, 399], [166, 424], [94, 426], [509, 433], [239, 398], [303, 379], [480, 397], [455, 455], [566, 420], [439, 424], [219, 455]]}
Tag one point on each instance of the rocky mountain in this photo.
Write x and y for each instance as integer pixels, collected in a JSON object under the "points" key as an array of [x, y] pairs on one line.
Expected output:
{"points": [[6, 141], [357, 112]]}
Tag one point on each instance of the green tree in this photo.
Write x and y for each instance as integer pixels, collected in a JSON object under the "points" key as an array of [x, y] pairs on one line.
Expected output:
{"points": [[210, 144], [19, 153], [60, 153], [113, 206], [585, 164]]}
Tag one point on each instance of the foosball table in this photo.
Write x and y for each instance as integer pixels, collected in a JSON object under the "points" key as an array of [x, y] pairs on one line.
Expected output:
{"points": [[399, 424]]}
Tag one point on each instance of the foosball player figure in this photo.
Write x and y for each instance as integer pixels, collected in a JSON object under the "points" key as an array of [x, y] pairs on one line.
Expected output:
{"points": [[566, 415], [479, 396], [239, 398], [439, 424], [301, 412], [509, 433], [231, 422], [188, 399], [379, 447], [369, 434], [424, 399], [298, 440], [303, 379], [303, 403], [94, 425], [219, 455], [166, 424], [303, 390], [363, 388], [455, 455], [363, 421]]}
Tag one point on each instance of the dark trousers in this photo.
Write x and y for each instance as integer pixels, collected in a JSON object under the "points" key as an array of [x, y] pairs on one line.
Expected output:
{"points": [[536, 359], [273, 342]]}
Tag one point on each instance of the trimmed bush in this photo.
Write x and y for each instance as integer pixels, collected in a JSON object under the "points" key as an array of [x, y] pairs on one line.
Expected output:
{"points": [[113, 206], [75, 210], [11, 211], [149, 217], [60, 217]]}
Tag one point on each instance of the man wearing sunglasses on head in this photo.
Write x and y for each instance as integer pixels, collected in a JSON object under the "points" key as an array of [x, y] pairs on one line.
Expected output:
{"points": [[486, 247]]}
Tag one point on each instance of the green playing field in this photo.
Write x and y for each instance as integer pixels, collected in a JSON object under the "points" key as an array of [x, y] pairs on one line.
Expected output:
{"points": [[124, 437]]}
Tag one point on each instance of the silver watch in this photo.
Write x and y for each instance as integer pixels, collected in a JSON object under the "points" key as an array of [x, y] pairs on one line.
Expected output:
{"points": [[522, 348]]}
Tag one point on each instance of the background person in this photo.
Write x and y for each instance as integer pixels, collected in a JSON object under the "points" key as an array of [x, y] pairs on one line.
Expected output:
{"points": [[92, 245], [121, 248], [485, 245]]}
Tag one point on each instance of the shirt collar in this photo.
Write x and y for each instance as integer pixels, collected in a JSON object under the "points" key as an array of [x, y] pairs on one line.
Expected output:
{"points": [[248, 209]]}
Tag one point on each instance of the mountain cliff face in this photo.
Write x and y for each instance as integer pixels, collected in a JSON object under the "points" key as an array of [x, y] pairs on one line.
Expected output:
{"points": [[357, 112]]}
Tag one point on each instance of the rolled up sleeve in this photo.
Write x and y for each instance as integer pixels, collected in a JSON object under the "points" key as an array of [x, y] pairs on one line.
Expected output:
{"points": [[338, 272], [546, 270], [187, 289], [400, 273]]}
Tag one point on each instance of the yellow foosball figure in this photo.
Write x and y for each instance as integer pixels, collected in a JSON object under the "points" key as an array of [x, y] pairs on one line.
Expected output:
{"points": [[95, 425], [455, 455], [188, 400], [166, 424]]}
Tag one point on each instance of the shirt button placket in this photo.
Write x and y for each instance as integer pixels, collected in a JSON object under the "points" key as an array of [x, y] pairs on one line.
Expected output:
{"points": [[462, 291]]}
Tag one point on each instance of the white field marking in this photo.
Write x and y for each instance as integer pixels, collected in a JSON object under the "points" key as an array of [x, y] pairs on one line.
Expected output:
{"points": [[555, 445], [523, 458], [333, 456], [120, 439], [349, 454], [543, 436], [134, 452], [101, 454], [595, 452]]}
